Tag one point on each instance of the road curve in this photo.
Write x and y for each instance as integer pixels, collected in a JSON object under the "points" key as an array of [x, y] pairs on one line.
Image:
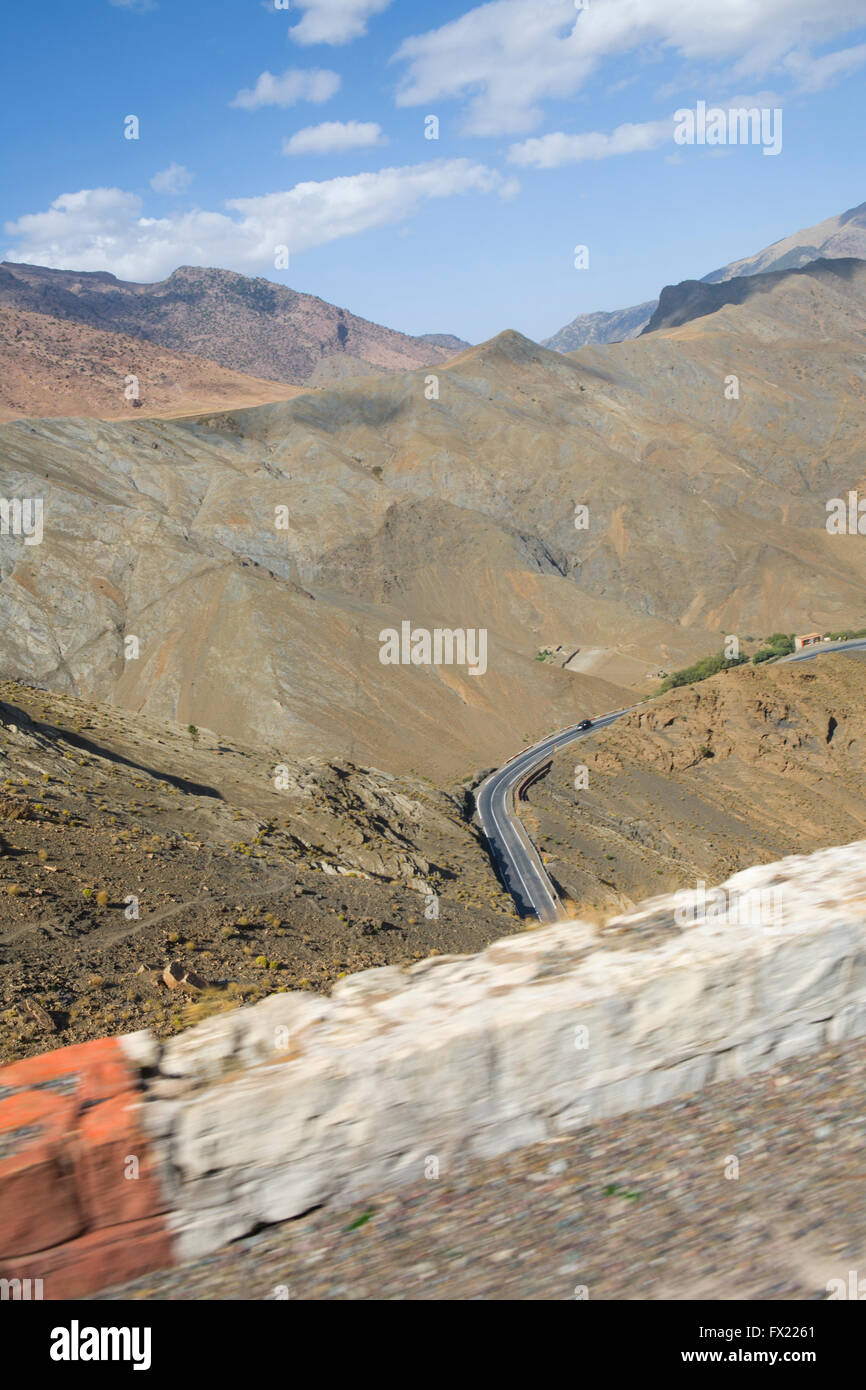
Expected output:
{"points": [[854, 644], [514, 854]]}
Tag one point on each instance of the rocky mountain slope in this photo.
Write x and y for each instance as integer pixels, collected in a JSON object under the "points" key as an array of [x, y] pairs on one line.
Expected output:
{"points": [[247, 325], [694, 299], [256, 557], [843, 235], [602, 327], [127, 844], [840, 236], [744, 768], [50, 366]]}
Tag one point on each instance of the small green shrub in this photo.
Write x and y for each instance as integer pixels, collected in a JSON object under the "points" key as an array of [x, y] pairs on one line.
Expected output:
{"points": [[700, 671]]}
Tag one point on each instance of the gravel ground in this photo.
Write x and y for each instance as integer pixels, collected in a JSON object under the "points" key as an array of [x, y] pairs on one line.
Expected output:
{"points": [[99, 807], [634, 1208]]}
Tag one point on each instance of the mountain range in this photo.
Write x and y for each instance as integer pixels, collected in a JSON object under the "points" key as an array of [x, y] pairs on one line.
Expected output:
{"points": [[842, 236], [705, 516], [192, 688], [250, 327], [205, 339]]}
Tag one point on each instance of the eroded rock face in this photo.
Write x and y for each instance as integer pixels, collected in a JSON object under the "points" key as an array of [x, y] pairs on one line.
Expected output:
{"points": [[261, 1114]]}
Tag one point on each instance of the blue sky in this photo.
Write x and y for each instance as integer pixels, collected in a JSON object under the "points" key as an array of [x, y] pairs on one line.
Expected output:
{"points": [[555, 129]]}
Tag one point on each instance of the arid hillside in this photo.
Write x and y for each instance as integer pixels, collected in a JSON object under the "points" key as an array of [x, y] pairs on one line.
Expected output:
{"points": [[237, 570], [53, 367], [126, 845], [247, 325], [745, 768], [694, 299]]}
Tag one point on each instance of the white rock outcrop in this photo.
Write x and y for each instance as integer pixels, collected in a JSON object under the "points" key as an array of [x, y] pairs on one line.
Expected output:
{"points": [[263, 1113]]}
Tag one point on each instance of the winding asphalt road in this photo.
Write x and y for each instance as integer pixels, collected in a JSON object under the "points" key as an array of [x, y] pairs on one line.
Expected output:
{"points": [[514, 854]]}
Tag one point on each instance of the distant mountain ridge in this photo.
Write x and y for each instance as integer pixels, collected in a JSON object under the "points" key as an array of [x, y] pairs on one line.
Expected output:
{"points": [[252, 326], [836, 237], [603, 327], [695, 299]]}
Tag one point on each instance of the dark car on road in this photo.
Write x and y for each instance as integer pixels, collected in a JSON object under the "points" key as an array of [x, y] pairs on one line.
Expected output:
{"points": [[585, 724]]}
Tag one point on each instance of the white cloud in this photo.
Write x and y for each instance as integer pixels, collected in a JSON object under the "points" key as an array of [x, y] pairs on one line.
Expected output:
{"points": [[814, 74], [104, 229], [334, 21], [334, 137], [550, 151], [508, 56], [174, 179], [295, 84]]}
